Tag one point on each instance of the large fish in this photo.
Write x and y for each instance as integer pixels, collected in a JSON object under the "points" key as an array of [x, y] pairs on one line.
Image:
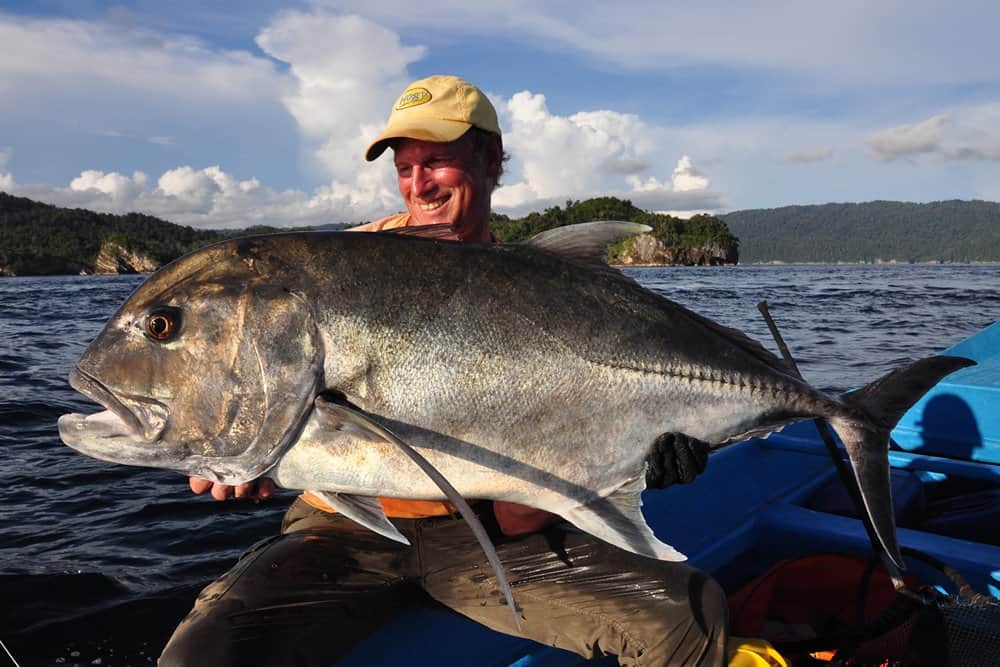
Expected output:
{"points": [[527, 372]]}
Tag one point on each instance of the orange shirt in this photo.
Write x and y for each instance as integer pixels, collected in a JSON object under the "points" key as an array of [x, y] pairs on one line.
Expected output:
{"points": [[391, 222], [396, 508]]}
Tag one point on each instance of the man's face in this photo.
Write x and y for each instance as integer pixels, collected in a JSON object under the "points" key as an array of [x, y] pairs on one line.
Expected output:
{"points": [[445, 183]]}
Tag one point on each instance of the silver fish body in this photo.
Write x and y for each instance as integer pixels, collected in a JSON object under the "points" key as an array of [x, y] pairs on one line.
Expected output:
{"points": [[519, 371]]}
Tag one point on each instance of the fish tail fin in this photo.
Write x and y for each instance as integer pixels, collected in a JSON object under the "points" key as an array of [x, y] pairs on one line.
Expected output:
{"points": [[882, 403]]}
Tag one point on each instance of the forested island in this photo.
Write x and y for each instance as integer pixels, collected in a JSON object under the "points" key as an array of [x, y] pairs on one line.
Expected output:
{"points": [[878, 231], [40, 239], [703, 240]]}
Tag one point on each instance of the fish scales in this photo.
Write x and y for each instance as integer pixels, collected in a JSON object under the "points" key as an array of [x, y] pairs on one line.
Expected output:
{"points": [[520, 372]]}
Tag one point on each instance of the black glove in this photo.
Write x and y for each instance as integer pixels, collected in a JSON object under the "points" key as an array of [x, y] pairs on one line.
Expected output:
{"points": [[675, 459]]}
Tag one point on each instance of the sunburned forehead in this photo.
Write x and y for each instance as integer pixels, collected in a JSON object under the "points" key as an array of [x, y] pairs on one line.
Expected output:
{"points": [[415, 151]]}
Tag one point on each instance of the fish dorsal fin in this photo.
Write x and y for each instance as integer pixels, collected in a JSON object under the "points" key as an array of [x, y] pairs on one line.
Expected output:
{"points": [[587, 242], [338, 416], [618, 520], [365, 510]]}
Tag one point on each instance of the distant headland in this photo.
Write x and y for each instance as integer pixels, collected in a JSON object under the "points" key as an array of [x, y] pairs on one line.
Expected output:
{"points": [[872, 232]]}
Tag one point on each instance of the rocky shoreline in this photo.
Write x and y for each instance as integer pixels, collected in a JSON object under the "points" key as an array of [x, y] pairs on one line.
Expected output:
{"points": [[647, 250]]}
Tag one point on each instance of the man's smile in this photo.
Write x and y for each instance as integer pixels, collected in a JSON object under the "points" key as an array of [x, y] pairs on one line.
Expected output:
{"points": [[437, 203]]}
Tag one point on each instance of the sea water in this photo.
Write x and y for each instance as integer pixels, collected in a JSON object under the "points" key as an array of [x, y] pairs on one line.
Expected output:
{"points": [[89, 548]]}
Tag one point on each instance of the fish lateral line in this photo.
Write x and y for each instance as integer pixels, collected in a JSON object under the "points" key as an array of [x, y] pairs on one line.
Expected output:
{"points": [[741, 382]]}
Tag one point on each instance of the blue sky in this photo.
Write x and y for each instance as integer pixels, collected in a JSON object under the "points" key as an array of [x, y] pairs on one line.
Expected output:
{"points": [[227, 114]]}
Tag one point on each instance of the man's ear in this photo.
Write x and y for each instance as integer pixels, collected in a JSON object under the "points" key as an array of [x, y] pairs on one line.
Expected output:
{"points": [[494, 159]]}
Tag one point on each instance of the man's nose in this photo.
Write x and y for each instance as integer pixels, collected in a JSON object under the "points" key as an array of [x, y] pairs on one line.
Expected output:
{"points": [[421, 181]]}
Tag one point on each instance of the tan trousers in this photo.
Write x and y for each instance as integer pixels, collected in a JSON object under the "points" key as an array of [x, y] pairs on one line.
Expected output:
{"points": [[324, 584]]}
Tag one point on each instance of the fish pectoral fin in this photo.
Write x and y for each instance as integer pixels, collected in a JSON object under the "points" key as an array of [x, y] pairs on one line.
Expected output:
{"points": [[337, 417], [618, 520], [366, 510], [345, 416]]}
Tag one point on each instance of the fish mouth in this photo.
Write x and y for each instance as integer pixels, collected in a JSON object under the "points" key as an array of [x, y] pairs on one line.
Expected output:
{"points": [[141, 418], [122, 433], [92, 388]]}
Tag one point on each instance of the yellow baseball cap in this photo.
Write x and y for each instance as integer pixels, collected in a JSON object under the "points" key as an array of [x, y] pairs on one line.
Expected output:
{"points": [[439, 108]]}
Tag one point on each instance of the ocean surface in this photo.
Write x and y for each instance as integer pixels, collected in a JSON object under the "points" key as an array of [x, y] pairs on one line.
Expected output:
{"points": [[98, 562]]}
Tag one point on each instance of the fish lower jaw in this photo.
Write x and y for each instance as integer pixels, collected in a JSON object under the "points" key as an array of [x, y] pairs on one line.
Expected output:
{"points": [[97, 426]]}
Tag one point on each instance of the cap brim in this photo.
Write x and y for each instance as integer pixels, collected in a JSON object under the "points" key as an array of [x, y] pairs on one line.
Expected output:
{"points": [[424, 129]]}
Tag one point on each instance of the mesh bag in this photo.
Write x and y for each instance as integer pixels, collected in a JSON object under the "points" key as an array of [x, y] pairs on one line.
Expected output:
{"points": [[956, 630]]}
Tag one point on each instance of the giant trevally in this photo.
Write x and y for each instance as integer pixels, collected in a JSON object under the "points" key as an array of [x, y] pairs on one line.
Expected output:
{"points": [[527, 372]]}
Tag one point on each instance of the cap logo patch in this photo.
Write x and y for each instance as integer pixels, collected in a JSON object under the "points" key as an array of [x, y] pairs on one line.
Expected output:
{"points": [[413, 97]]}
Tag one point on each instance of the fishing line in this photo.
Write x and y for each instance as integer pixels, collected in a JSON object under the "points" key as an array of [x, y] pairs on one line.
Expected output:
{"points": [[4, 647], [845, 474]]}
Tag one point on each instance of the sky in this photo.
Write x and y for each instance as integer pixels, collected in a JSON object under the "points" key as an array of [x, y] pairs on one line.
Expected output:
{"points": [[229, 114]]}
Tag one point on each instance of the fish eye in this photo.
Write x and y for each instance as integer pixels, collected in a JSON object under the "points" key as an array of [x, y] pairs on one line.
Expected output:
{"points": [[163, 323]]}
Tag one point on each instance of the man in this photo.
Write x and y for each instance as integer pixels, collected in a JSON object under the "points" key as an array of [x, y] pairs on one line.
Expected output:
{"points": [[306, 596]]}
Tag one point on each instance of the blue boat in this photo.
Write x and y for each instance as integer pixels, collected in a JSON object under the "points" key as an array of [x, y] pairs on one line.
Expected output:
{"points": [[756, 504]]}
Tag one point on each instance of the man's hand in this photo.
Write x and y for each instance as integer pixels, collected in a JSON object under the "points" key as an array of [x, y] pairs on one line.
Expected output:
{"points": [[257, 490], [515, 519], [675, 459]]}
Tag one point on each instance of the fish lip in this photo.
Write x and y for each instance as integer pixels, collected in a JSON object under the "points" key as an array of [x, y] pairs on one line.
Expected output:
{"points": [[92, 388]]}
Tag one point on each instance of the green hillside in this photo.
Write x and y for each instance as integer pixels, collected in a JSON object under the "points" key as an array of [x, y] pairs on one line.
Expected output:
{"points": [[946, 231], [40, 239]]}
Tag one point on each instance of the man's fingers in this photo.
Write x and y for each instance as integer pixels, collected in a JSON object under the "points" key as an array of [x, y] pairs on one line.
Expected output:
{"points": [[265, 488], [256, 490], [199, 485]]}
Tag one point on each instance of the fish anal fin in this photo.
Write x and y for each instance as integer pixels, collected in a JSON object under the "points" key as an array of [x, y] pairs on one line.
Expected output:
{"points": [[618, 520], [365, 510]]}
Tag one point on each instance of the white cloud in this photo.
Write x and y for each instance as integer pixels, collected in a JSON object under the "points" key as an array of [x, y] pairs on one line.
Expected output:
{"points": [[162, 141], [48, 55], [208, 198], [590, 154], [6, 178], [346, 72], [686, 178], [894, 142], [971, 133], [806, 156], [119, 189], [837, 43]]}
